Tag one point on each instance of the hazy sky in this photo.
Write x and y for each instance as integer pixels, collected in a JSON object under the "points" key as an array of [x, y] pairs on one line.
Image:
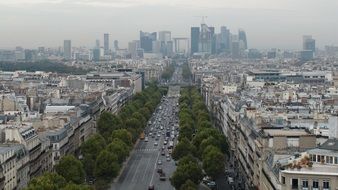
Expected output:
{"points": [[268, 23]]}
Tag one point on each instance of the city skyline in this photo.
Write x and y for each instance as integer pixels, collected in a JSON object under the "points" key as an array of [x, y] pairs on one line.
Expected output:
{"points": [[278, 24]]}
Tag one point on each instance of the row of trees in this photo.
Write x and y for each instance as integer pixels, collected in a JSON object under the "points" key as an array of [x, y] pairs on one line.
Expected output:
{"points": [[168, 72], [186, 73], [201, 147], [104, 152], [45, 65]]}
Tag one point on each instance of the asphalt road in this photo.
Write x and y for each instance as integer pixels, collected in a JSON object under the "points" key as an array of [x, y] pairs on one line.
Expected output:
{"points": [[141, 168]]}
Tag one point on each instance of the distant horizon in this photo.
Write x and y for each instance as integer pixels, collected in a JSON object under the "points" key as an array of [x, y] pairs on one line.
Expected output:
{"points": [[279, 24]]}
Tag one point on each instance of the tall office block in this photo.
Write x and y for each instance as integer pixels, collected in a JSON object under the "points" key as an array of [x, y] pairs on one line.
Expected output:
{"points": [[146, 41], [116, 45], [106, 44], [206, 38], [224, 39], [194, 39], [309, 43], [164, 36], [97, 44], [96, 54], [67, 49], [242, 39]]}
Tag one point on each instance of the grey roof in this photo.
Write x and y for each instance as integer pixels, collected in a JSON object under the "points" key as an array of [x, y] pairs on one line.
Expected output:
{"points": [[330, 144]]}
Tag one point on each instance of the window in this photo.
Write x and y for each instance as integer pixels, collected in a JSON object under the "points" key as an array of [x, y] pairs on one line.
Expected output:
{"points": [[326, 184], [283, 180], [315, 184], [305, 183], [329, 159], [335, 160], [294, 183], [318, 158]]}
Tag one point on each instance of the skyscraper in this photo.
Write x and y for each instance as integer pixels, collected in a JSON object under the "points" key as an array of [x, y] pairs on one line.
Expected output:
{"points": [[146, 41], [106, 44], [242, 39], [67, 49], [181, 46], [116, 45], [206, 39], [97, 43], [225, 39], [164, 36], [309, 43], [194, 39]]}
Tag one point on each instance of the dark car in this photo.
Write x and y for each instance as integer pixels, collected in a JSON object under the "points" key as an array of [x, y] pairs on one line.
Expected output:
{"points": [[151, 187], [159, 170]]}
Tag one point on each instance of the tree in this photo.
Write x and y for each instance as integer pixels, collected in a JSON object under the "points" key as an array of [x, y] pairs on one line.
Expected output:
{"points": [[183, 148], [213, 161], [50, 181], [203, 124], [93, 146], [76, 187], [124, 135], [133, 123], [89, 165], [188, 185], [141, 119], [186, 131], [119, 148], [188, 169], [71, 169], [106, 166]]}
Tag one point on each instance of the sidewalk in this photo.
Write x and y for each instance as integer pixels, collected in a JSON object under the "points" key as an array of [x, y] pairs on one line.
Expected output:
{"points": [[126, 162]]}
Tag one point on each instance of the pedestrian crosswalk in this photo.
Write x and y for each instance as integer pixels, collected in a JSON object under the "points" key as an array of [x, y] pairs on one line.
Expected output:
{"points": [[146, 149]]}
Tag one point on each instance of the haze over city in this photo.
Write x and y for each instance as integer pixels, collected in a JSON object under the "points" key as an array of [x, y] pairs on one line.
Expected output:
{"points": [[269, 24]]}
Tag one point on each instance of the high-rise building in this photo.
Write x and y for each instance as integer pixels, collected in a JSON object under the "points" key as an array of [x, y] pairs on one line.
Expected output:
{"points": [[133, 47], [194, 39], [97, 43], [206, 39], [67, 49], [224, 39], [146, 41], [106, 44], [156, 46], [242, 39], [309, 43], [116, 45], [96, 54], [164, 36]]}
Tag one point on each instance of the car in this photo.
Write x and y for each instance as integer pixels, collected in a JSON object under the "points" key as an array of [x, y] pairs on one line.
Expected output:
{"points": [[146, 139], [163, 148], [159, 162], [167, 155], [162, 176], [155, 144], [162, 153], [158, 135], [211, 184], [168, 159], [150, 134], [159, 170], [151, 187], [165, 142]]}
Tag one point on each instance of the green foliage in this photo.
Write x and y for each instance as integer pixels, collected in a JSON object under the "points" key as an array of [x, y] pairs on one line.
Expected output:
{"points": [[92, 147], [119, 148], [107, 123], [76, 187], [188, 185], [107, 166], [168, 72], [71, 169], [50, 181], [186, 73], [183, 148], [45, 65], [188, 169], [124, 135], [213, 161]]}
